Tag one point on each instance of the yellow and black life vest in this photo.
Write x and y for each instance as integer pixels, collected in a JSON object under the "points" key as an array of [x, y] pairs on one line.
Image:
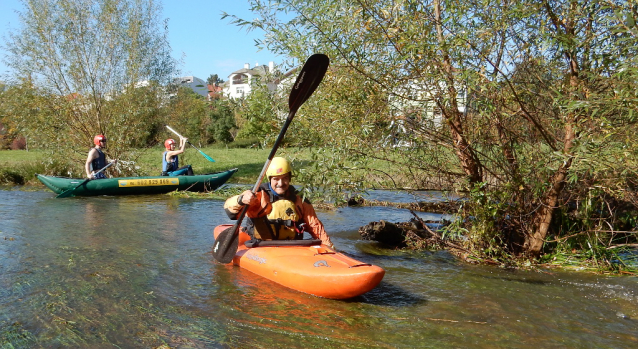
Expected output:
{"points": [[280, 224]]}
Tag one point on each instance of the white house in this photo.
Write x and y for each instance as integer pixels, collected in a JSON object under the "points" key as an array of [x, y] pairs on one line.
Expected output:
{"points": [[239, 82], [194, 83], [414, 107], [420, 96]]}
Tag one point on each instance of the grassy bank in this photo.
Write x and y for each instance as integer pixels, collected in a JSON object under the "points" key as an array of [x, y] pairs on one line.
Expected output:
{"points": [[249, 162], [19, 167]]}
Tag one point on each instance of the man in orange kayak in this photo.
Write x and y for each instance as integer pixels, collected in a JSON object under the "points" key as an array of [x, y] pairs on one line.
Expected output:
{"points": [[276, 211]]}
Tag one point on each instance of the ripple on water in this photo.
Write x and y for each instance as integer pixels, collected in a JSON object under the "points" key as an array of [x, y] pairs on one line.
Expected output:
{"points": [[137, 272]]}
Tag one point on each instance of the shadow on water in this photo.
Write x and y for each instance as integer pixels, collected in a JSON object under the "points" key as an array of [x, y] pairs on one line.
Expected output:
{"points": [[388, 294], [137, 272]]}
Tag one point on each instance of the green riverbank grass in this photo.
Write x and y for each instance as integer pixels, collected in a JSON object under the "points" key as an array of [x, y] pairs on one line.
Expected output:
{"points": [[19, 167]]}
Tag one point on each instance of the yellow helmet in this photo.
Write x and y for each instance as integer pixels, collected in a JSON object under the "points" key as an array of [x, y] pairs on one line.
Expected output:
{"points": [[278, 166]]}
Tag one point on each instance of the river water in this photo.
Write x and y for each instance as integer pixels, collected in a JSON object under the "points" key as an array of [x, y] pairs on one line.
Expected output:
{"points": [[137, 272]]}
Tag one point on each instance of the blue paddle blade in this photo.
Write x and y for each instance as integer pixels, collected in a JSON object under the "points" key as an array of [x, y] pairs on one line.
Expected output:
{"points": [[199, 150], [207, 157]]}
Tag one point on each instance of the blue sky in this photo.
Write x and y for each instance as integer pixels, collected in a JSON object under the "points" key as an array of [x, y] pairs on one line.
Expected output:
{"points": [[198, 36]]}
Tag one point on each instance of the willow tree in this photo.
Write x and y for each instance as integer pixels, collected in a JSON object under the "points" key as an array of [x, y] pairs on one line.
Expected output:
{"points": [[88, 58], [515, 102]]}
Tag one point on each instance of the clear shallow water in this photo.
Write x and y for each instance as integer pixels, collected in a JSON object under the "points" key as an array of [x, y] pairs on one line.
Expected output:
{"points": [[136, 272]]}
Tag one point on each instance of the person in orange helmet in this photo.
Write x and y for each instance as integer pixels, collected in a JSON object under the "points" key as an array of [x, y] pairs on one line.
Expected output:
{"points": [[170, 159], [96, 160]]}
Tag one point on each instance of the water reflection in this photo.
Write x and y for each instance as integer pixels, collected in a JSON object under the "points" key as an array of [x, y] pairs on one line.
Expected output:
{"points": [[137, 272]]}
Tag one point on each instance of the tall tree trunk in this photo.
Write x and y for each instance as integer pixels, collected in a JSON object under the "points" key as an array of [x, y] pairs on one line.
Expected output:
{"points": [[544, 215], [464, 151], [542, 221]]}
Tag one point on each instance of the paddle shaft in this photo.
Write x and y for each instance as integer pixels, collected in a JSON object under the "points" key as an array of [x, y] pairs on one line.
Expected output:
{"points": [[309, 78], [280, 138], [180, 136], [302, 89], [69, 191]]}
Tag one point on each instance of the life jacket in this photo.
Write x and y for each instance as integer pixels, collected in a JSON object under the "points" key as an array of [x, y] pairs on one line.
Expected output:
{"points": [[99, 162], [173, 165], [283, 221]]}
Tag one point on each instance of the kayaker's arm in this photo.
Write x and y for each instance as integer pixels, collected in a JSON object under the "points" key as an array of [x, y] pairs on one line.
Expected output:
{"points": [[235, 204], [232, 206], [259, 204], [171, 153], [87, 166], [315, 227]]}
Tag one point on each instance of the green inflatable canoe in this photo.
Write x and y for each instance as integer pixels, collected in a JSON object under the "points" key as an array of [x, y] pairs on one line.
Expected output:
{"points": [[136, 185]]}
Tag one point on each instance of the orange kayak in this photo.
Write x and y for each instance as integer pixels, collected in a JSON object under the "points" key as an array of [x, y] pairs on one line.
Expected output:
{"points": [[307, 267]]}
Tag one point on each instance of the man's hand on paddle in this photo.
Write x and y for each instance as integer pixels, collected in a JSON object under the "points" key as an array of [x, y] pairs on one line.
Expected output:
{"points": [[258, 203], [247, 197]]}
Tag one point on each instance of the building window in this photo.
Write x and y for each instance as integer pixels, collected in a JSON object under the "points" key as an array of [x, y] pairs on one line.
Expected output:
{"points": [[240, 91], [240, 79]]}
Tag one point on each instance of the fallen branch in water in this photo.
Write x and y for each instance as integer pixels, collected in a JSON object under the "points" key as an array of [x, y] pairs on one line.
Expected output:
{"points": [[438, 236], [450, 244], [416, 234], [622, 245]]}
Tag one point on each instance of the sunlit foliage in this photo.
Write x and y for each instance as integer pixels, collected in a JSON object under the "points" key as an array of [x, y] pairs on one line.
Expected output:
{"points": [[90, 67], [526, 104]]}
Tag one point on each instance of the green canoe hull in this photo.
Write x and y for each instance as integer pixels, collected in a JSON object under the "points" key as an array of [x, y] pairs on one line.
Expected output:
{"points": [[137, 185]]}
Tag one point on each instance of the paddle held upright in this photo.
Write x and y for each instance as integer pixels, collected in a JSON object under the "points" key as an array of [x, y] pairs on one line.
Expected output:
{"points": [[309, 78]]}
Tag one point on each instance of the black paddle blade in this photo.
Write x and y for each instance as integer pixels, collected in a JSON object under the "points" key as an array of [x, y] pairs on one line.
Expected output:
{"points": [[308, 79], [226, 245]]}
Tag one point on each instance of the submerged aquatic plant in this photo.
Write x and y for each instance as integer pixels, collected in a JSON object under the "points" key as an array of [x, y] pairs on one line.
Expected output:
{"points": [[14, 335]]}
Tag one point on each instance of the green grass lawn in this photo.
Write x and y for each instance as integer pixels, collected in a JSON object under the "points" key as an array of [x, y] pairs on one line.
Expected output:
{"points": [[249, 161], [20, 166], [15, 157]]}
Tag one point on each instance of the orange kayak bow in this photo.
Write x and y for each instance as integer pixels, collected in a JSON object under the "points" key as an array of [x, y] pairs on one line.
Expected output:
{"points": [[306, 266]]}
